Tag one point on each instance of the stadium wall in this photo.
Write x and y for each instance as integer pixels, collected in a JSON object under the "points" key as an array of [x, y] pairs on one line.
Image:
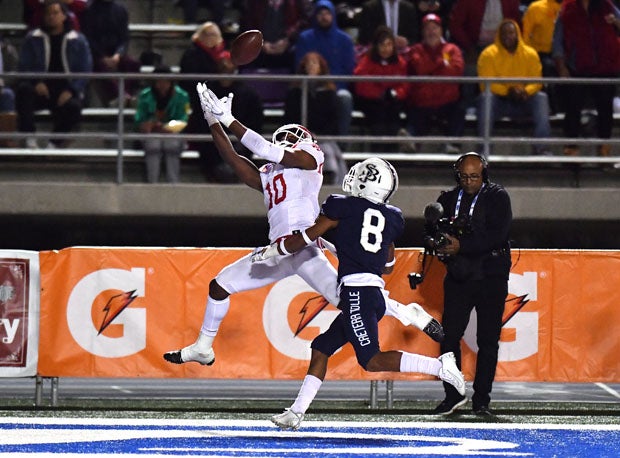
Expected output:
{"points": [[44, 216]]}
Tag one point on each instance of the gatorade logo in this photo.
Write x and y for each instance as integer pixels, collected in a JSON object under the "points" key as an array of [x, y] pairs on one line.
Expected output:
{"points": [[524, 324], [119, 287], [277, 327]]}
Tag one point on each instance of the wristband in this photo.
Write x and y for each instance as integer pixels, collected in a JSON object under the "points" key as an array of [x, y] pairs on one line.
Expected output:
{"points": [[306, 238], [261, 147], [227, 119], [282, 248], [391, 263]]}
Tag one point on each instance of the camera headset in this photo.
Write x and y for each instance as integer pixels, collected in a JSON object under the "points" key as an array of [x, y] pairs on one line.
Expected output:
{"points": [[483, 161]]}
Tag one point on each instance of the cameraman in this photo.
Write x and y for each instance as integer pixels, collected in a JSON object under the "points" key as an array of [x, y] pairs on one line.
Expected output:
{"points": [[475, 248]]}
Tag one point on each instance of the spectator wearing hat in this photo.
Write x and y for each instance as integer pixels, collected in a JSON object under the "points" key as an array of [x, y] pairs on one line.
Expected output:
{"points": [[431, 103], [439, 7]]}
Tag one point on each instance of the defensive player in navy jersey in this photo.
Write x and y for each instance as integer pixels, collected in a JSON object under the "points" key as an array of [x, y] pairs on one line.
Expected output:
{"points": [[365, 228], [290, 182]]}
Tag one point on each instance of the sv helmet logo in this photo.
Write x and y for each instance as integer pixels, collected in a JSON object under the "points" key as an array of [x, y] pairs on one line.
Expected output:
{"points": [[370, 174]]}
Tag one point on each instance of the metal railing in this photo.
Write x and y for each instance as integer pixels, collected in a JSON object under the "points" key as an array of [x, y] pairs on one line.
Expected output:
{"points": [[122, 136]]}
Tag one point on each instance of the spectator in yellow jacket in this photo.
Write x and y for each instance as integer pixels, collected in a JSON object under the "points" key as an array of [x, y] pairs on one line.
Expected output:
{"points": [[538, 26], [510, 57]]}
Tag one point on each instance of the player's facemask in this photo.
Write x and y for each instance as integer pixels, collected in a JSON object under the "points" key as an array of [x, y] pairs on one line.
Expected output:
{"points": [[290, 135]]}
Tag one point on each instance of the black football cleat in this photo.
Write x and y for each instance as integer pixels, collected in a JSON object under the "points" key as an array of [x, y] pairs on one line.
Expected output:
{"points": [[434, 330], [178, 357], [173, 357]]}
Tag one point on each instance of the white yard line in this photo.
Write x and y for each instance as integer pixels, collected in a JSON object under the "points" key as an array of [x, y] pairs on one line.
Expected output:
{"points": [[608, 389]]}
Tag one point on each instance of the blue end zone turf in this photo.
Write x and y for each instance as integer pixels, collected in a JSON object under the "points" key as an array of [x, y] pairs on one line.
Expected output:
{"points": [[66, 437]]}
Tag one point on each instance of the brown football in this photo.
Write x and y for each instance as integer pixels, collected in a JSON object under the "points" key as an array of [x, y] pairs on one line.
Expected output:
{"points": [[246, 47]]}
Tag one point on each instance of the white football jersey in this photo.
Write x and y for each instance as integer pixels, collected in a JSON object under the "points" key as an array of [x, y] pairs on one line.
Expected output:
{"points": [[291, 195]]}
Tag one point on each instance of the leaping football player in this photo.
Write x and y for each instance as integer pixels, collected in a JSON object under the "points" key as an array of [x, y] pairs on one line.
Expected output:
{"points": [[365, 228], [290, 182]]}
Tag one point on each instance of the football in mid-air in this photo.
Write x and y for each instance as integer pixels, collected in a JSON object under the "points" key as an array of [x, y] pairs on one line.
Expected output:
{"points": [[246, 47]]}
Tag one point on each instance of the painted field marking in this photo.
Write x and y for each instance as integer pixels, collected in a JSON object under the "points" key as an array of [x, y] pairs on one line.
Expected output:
{"points": [[106, 437]]}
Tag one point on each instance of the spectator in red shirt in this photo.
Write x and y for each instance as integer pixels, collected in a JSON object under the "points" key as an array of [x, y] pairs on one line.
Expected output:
{"points": [[586, 45], [381, 101], [435, 103]]}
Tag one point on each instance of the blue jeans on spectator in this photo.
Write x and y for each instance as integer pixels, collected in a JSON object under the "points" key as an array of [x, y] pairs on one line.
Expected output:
{"points": [[535, 108], [7, 100]]}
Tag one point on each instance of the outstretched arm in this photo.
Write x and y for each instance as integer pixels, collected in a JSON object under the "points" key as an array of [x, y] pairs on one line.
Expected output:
{"points": [[245, 170], [296, 241], [220, 110]]}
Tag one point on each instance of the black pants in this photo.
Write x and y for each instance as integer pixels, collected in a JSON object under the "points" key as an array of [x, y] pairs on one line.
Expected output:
{"points": [[488, 297], [65, 118], [574, 100]]}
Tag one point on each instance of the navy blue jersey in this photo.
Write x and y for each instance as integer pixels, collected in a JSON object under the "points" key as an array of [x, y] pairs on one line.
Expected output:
{"points": [[364, 233]]}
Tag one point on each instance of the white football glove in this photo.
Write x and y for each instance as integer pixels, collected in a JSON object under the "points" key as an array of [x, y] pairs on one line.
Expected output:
{"points": [[262, 253], [201, 88], [221, 109]]}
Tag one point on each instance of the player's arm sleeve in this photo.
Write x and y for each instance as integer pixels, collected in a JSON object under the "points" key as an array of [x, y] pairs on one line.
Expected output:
{"points": [[261, 147]]}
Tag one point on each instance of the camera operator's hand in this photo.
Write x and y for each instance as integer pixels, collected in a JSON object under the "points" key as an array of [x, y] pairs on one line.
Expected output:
{"points": [[450, 248]]}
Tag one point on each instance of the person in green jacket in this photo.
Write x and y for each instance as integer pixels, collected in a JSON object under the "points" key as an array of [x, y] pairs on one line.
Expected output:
{"points": [[163, 107]]}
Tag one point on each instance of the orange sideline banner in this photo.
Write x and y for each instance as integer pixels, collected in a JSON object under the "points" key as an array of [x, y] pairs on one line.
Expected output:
{"points": [[113, 312]]}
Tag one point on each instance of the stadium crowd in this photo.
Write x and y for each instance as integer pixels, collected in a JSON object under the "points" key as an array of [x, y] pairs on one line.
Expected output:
{"points": [[487, 38]]}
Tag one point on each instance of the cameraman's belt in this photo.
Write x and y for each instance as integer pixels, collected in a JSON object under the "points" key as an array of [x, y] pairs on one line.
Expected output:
{"points": [[500, 252]]}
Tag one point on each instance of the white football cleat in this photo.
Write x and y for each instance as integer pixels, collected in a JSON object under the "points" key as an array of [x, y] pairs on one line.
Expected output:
{"points": [[191, 354], [288, 420], [413, 314], [450, 373]]}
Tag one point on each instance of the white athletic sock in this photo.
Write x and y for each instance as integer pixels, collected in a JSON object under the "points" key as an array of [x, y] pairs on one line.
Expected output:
{"points": [[214, 314], [411, 362], [307, 392]]}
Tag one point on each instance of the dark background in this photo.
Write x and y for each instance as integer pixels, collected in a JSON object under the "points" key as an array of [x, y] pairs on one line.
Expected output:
{"points": [[55, 232]]}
